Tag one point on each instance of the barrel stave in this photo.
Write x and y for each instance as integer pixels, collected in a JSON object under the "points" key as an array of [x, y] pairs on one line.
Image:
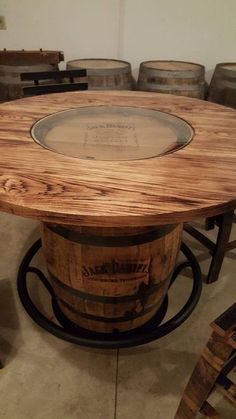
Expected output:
{"points": [[105, 74], [103, 288], [172, 77]]}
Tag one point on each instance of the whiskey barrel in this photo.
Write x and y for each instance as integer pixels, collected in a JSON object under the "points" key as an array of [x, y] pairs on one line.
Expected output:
{"points": [[222, 88], [13, 63], [108, 279], [11, 86], [105, 74], [175, 77]]}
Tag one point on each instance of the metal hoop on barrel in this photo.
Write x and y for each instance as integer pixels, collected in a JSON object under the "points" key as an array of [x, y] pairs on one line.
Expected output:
{"points": [[70, 332]]}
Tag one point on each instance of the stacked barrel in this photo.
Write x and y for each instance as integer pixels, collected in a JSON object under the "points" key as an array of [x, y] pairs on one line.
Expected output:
{"points": [[104, 74], [174, 77], [13, 63], [222, 89]]}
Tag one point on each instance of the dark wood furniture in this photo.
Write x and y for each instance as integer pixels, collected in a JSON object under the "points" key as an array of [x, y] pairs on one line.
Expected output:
{"points": [[218, 249], [54, 82], [30, 57], [217, 359], [222, 91]]}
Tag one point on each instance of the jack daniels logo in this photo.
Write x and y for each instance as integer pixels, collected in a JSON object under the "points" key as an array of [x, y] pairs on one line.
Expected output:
{"points": [[111, 125], [114, 267], [110, 133]]}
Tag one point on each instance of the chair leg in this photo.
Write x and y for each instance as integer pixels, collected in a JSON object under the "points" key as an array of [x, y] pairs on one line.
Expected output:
{"points": [[225, 226], [209, 223], [209, 412], [204, 376]]}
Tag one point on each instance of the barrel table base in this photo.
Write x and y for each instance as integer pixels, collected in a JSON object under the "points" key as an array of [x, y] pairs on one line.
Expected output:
{"points": [[107, 279], [68, 331]]}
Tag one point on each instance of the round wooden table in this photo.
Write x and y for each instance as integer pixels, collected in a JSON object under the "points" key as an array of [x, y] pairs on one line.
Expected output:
{"points": [[112, 176]]}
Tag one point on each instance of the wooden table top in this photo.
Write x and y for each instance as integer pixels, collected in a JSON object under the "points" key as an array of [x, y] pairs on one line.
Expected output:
{"points": [[197, 180]]}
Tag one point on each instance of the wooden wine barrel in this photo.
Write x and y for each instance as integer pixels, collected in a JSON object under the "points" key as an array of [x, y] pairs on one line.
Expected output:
{"points": [[222, 88], [105, 74], [110, 278], [11, 86], [13, 63], [175, 77]]}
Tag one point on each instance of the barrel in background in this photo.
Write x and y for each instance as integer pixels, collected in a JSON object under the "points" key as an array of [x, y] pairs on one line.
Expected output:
{"points": [[105, 74], [108, 279], [222, 88], [174, 77], [13, 63]]}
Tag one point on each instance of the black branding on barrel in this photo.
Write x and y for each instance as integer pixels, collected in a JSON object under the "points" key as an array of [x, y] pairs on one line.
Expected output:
{"points": [[115, 267], [114, 133]]}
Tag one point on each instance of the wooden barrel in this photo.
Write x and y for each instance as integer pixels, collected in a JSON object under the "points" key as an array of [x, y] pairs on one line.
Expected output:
{"points": [[108, 279], [175, 77], [222, 88], [105, 74], [13, 63], [11, 86]]}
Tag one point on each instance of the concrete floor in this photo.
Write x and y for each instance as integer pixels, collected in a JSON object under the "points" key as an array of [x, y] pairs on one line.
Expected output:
{"points": [[46, 378]]}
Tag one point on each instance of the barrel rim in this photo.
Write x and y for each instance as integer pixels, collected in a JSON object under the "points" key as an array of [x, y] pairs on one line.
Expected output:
{"points": [[112, 241], [229, 71], [197, 65], [94, 71], [225, 63], [98, 59]]}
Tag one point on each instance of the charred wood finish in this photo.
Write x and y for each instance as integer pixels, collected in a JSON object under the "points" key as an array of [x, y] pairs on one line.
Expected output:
{"points": [[210, 369], [22, 57], [198, 180], [101, 285]]}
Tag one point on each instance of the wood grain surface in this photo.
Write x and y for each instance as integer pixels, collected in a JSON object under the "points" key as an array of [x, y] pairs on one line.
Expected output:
{"points": [[197, 180], [137, 277]]}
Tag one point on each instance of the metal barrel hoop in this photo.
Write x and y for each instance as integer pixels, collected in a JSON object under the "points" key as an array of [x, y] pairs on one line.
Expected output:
{"points": [[149, 332]]}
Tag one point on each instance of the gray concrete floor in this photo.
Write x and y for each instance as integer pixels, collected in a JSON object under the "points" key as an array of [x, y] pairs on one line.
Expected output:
{"points": [[46, 378]]}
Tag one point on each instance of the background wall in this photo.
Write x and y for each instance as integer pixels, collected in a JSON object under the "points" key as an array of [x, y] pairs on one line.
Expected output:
{"points": [[202, 31]]}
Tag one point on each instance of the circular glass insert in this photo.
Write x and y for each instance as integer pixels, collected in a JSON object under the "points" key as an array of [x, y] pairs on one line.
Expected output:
{"points": [[112, 133]]}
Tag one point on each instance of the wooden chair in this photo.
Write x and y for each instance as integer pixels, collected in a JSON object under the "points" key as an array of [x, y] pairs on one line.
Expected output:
{"points": [[217, 359], [58, 84], [220, 91], [222, 245]]}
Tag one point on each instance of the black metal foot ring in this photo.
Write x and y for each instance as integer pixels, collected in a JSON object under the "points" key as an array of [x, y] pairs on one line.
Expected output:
{"points": [[74, 334]]}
